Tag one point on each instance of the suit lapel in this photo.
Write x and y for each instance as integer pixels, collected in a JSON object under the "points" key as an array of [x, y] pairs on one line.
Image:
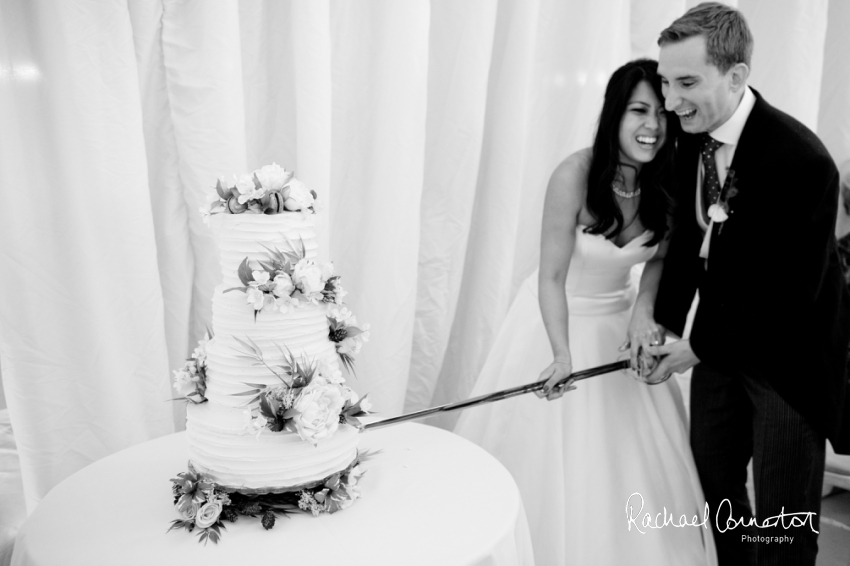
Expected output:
{"points": [[748, 151]]}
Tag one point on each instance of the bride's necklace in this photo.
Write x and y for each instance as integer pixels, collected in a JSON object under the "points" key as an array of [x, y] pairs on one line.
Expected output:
{"points": [[620, 192]]}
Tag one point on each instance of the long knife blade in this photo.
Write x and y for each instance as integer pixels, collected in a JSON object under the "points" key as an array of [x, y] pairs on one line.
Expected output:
{"points": [[495, 396]]}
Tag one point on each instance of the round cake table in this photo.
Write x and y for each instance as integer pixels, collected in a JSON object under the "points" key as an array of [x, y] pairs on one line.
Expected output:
{"points": [[429, 498]]}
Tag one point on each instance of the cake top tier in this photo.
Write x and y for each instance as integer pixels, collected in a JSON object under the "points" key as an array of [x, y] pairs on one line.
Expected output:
{"points": [[271, 189]]}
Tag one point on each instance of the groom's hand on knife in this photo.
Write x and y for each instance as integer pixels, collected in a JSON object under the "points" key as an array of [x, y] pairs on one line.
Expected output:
{"points": [[677, 357]]}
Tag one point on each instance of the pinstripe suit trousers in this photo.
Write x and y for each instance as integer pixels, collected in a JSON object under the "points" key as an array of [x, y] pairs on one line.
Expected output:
{"points": [[735, 417]]}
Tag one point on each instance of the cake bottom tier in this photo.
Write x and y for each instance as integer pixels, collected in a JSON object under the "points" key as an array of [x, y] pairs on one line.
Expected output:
{"points": [[222, 449]]}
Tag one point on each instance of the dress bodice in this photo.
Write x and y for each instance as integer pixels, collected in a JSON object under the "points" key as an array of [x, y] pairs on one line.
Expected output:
{"points": [[599, 277]]}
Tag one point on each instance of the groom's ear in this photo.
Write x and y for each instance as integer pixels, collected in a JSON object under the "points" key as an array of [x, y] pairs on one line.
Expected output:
{"points": [[738, 75]]}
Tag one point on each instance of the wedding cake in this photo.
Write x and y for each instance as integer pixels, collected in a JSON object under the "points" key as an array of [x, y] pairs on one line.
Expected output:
{"points": [[270, 412]]}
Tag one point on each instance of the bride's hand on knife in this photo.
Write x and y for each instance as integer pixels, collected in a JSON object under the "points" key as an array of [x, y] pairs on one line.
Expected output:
{"points": [[560, 369], [644, 333]]}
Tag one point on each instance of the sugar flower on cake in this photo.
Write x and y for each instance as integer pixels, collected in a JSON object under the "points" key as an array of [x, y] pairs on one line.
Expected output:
{"points": [[273, 177], [190, 380], [214, 205], [330, 373], [254, 422], [310, 279], [311, 400], [286, 280], [297, 197], [333, 291], [354, 339], [208, 514], [199, 504], [317, 409], [258, 287], [249, 189], [337, 493], [347, 334], [202, 506], [355, 407], [271, 189]]}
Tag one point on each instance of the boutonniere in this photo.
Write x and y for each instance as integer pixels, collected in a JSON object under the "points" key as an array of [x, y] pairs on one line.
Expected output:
{"points": [[719, 211]]}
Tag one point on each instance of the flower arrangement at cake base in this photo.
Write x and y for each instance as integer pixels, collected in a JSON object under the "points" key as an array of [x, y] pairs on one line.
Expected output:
{"points": [[204, 506]]}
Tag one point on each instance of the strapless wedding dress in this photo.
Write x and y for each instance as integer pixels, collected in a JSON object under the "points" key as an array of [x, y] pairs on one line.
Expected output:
{"points": [[582, 460]]}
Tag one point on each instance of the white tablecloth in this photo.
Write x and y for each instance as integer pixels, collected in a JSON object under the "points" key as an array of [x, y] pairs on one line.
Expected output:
{"points": [[430, 498]]}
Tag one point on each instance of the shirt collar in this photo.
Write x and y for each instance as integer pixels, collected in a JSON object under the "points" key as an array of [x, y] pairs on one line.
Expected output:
{"points": [[730, 131]]}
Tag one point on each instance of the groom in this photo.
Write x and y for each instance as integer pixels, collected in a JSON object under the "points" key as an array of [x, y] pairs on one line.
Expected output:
{"points": [[757, 196]]}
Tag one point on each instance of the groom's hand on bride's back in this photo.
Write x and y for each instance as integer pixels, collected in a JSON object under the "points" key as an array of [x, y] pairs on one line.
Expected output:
{"points": [[677, 357]]}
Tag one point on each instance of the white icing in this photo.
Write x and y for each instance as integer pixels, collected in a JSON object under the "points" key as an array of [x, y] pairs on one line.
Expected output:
{"points": [[243, 235], [220, 444], [223, 449]]}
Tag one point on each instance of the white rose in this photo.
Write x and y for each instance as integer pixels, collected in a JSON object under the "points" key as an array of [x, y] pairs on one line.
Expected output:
{"points": [[308, 277], [366, 405], [319, 406], [327, 270], [187, 509], [283, 285], [296, 196], [273, 177], [208, 514]]}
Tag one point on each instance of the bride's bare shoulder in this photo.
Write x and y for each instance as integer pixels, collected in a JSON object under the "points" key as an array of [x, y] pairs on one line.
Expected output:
{"points": [[571, 173]]}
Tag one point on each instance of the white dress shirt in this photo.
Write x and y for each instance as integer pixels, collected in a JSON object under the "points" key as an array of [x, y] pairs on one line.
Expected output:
{"points": [[728, 133]]}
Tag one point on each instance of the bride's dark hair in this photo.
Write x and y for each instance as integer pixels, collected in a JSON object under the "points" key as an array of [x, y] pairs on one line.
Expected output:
{"points": [[654, 177]]}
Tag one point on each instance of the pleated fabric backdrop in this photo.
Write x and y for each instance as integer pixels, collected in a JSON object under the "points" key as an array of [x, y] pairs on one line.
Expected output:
{"points": [[429, 129]]}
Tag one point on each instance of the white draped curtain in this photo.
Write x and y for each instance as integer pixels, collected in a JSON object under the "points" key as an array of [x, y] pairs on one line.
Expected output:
{"points": [[428, 128]]}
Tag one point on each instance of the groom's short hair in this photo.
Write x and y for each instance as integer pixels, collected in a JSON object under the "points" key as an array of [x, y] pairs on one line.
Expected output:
{"points": [[728, 40]]}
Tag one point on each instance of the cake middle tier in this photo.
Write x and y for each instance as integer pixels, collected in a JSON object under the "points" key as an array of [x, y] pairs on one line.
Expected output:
{"points": [[302, 332], [301, 327]]}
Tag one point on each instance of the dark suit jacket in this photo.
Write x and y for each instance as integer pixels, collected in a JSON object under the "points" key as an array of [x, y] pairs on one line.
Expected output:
{"points": [[773, 302]]}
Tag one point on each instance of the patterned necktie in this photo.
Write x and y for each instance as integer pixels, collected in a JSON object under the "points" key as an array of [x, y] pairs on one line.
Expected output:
{"points": [[710, 179]]}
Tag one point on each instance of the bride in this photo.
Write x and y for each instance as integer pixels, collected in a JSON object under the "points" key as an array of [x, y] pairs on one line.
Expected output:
{"points": [[591, 467]]}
